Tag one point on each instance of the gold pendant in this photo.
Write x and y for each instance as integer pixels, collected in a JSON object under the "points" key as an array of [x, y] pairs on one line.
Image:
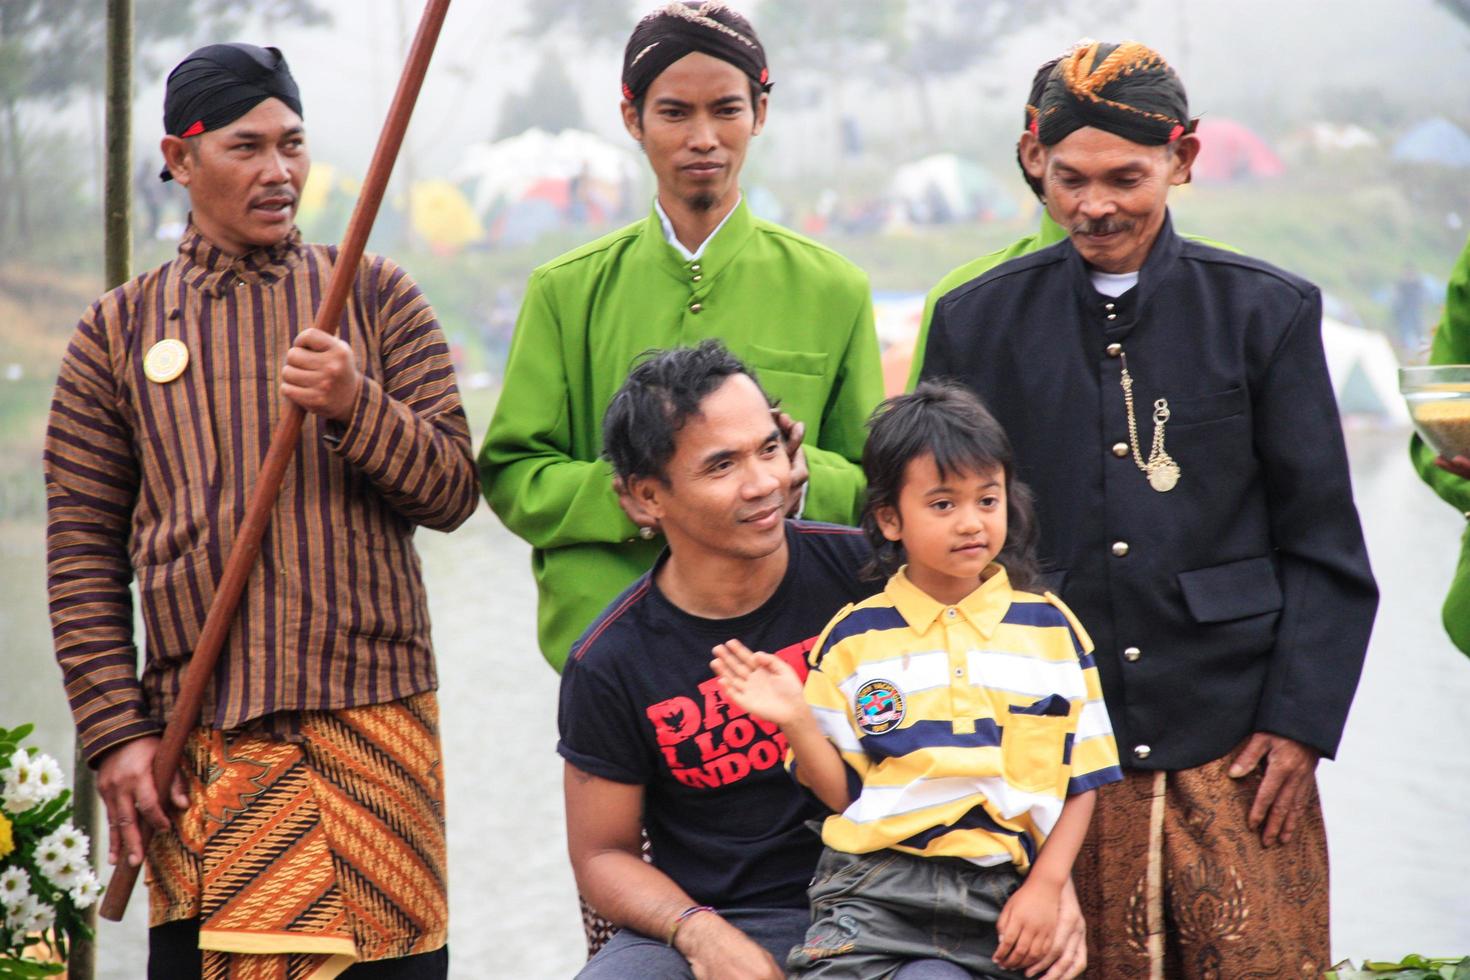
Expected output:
{"points": [[165, 360], [1163, 476]]}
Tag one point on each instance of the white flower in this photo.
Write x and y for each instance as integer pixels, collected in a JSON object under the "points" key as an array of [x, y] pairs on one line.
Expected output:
{"points": [[22, 788], [15, 887], [39, 916], [21, 916], [69, 840], [87, 891], [50, 856], [48, 777], [68, 873]]}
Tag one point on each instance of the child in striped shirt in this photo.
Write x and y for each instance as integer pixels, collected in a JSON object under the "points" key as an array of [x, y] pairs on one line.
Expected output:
{"points": [[953, 723]]}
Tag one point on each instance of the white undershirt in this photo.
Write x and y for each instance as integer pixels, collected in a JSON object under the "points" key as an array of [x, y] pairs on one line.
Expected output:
{"points": [[1113, 283], [673, 239]]}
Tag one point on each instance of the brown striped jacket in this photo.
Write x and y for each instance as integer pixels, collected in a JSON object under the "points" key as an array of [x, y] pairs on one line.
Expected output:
{"points": [[149, 480]]}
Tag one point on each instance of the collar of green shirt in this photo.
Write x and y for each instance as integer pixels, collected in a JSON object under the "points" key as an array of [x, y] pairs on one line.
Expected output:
{"points": [[719, 250], [1051, 232], [984, 608], [673, 239]]}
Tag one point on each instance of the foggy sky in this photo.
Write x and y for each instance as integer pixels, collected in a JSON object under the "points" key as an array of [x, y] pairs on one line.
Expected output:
{"points": [[1247, 59]]}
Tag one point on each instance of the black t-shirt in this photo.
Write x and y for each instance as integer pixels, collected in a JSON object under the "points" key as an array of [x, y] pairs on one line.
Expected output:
{"points": [[640, 705]]}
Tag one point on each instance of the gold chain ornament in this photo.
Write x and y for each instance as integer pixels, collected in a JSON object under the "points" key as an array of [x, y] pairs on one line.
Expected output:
{"points": [[1160, 468]]}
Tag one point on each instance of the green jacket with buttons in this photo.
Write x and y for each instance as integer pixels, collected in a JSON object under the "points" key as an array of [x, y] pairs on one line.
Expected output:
{"points": [[1452, 346], [796, 312]]}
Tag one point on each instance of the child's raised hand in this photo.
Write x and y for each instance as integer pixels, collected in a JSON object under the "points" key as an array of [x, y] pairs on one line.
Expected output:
{"points": [[1027, 926], [764, 685]]}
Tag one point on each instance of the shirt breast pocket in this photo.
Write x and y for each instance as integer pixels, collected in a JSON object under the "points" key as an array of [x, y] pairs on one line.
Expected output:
{"points": [[1033, 742], [1214, 407], [798, 378]]}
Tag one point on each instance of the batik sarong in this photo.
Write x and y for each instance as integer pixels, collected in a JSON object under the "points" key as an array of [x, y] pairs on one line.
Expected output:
{"points": [[1175, 885], [302, 858]]}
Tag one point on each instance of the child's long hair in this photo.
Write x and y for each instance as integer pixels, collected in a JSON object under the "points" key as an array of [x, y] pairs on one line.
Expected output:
{"points": [[947, 421]]}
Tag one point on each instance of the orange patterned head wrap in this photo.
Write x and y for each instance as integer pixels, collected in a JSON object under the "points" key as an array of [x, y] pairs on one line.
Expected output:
{"points": [[1126, 89]]}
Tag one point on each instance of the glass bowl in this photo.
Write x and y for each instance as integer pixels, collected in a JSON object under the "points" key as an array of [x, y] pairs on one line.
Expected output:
{"points": [[1439, 403]]}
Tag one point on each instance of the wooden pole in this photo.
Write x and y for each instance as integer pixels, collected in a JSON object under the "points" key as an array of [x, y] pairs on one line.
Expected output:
{"points": [[117, 262], [118, 188], [284, 441]]}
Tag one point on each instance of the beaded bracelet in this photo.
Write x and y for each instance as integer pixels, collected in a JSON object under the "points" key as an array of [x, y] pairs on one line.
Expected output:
{"points": [[679, 919]]}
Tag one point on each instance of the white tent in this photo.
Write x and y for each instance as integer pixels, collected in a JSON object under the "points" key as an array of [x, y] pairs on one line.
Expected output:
{"points": [[1340, 136], [945, 187], [506, 170], [1364, 371]]}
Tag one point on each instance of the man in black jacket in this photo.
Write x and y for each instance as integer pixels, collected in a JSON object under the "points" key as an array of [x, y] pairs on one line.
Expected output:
{"points": [[1170, 405]]}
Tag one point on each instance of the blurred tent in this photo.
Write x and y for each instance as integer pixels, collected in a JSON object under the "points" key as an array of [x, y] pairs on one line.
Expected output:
{"points": [[574, 177], [1339, 136], [944, 187], [1435, 140], [1364, 372], [896, 319], [438, 211], [327, 200], [764, 203], [442, 216], [522, 222], [1231, 151]]}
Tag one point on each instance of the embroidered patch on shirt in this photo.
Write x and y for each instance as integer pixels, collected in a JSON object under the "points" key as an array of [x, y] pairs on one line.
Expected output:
{"points": [[879, 707]]}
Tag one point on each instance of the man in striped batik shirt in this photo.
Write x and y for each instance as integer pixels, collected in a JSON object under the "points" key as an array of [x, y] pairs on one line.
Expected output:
{"points": [[306, 829]]}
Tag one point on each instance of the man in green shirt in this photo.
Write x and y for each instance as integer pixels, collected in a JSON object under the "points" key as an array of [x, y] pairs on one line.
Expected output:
{"points": [[1049, 234], [1450, 478], [700, 265]]}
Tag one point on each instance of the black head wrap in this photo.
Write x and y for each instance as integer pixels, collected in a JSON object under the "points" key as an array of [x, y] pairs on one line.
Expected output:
{"points": [[219, 83], [1125, 89], [672, 31], [1038, 86]]}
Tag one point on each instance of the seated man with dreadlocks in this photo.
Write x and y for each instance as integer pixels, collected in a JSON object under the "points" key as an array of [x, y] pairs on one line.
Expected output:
{"points": [[1206, 534]]}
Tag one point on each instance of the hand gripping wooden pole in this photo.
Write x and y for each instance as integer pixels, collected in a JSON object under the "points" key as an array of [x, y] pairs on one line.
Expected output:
{"points": [[287, 435]]}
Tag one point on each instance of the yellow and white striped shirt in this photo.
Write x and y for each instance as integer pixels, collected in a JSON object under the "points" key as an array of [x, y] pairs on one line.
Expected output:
{"points": [[964, 727]]}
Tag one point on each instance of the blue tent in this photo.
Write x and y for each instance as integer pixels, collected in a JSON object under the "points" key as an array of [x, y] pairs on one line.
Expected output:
{"points": [[1435, 140]]}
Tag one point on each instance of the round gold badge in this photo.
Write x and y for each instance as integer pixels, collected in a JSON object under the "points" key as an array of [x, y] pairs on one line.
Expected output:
{"points": [[166, 360]]}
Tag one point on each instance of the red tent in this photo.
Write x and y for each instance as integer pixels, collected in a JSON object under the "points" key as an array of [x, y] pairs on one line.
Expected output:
{"points": [[1230, 152]]}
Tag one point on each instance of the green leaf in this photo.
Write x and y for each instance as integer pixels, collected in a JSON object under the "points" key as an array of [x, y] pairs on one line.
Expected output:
{"points": [[48, 816], [1462, 970], [25, 970], [19, 734]]}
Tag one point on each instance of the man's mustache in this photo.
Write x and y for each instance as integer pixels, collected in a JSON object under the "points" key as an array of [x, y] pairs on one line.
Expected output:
{"points": [[1101, 226]]}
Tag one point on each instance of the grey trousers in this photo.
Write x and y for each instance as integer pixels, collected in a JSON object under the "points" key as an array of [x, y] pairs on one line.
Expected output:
{"points": [[631, 956], [873, 913]]}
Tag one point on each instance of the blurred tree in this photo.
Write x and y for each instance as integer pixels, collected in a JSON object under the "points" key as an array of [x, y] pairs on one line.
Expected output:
{"points": [[901, 40], [1459, 9], [1363, 105], [593, 22], [54, 50], [549, 101]]}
